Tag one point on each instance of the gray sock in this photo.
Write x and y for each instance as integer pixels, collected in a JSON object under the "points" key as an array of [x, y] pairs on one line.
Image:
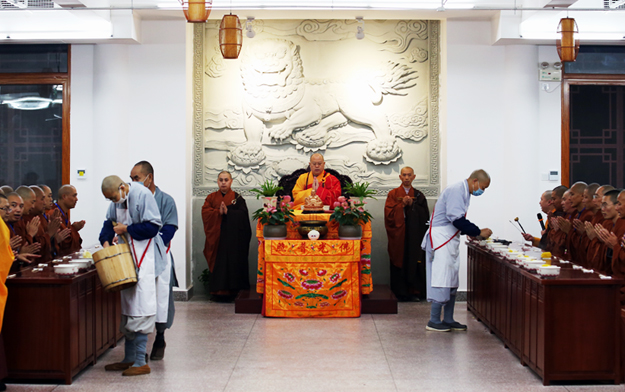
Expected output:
{"points": [[435, 312], [448, 312], [129, 351], [141, 344]]}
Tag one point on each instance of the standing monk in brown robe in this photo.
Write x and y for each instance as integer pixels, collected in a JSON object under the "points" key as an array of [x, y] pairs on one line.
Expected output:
{"points": [[406, 213], [602, 248], [67, 199], [228, 233]]}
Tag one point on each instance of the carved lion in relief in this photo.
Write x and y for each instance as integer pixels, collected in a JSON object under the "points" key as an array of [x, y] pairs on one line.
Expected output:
{"points": [[279, 100]]}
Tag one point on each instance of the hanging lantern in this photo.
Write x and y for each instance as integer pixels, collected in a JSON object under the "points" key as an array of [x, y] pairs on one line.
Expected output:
{"points": [[230, 36], [568, 45], [196, 11]]}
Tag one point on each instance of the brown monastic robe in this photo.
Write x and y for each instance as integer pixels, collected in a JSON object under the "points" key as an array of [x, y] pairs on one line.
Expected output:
{"points": [[41, 237], [597, 249], [405, 228], [618, 267], [574, 237], [72, 243], [584, 242], [558, 241], [227, 242]]}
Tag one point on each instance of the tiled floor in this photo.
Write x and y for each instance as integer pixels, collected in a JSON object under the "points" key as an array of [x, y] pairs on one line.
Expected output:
{"points": [[210, 348]]}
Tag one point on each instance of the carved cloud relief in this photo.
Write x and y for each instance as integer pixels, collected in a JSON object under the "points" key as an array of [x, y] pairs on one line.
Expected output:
{"points": [[309, 86]]}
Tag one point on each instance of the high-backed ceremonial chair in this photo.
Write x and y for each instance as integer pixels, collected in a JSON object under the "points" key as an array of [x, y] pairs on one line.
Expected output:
{"points": [[288, 181]]}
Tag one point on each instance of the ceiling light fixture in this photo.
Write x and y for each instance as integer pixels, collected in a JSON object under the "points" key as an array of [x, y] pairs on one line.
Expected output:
{"points": [[196, 11], [230, 36], [568, 45]]}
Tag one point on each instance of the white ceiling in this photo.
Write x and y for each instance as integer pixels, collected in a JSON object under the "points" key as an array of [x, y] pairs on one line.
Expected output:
{"points": [[514, 21]]}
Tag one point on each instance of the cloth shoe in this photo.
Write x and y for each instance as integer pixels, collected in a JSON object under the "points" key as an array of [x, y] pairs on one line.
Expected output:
{"points": [[118, 366], [158, 351], [137, 371], [456, 326], [438, 327]]}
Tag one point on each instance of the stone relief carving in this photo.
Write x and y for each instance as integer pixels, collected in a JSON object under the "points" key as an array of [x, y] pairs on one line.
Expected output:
{"points": [[289, 106]]}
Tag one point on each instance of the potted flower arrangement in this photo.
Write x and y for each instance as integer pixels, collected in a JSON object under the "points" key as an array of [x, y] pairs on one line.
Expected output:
{"points": [[268, 191], [351, 213], [274, 217]]}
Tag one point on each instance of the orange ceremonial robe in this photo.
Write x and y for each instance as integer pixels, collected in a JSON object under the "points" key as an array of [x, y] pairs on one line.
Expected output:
{"points": [[6, 259], [329, 188]]}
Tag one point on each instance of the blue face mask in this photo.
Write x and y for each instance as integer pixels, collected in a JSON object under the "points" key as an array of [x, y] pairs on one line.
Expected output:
{"points": [[478, 191]]}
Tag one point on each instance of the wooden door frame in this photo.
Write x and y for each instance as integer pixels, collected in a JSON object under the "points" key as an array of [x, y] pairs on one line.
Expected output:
{"points": [[567, 82]]}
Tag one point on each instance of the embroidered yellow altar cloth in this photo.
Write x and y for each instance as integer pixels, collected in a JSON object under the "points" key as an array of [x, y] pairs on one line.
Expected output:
{"points": [[366, 284], [312, 278]]}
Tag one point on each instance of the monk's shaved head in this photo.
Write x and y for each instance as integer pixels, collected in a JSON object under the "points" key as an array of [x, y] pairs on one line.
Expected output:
{"points": [[547, 195], [224, 172], [316, 156], [605, 188], [592, 188], [579, 187], [6, 189], [66, 190], [612, 195], [38, 191], [559, 191], [110, 184], [146, 167], [406, 168], [25, 193], [480, 175]]}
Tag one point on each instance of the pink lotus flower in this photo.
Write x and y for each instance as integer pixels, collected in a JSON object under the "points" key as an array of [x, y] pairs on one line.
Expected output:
{"points": [[303, 272], [321, 272], [361, 209], [285, 294], [339, 294], [312, 284], [298, 303], [282, 203], [341, 199], [335, 277], [287, 198], [336, 204], [289, 276], [324, 304], [291, 204]]}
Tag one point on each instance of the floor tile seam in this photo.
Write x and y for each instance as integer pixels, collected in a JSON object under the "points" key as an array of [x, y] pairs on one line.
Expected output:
{"points": [[388, 365], [241, 352]]}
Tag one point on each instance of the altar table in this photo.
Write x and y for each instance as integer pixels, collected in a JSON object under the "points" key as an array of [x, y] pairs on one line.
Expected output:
{"points": [[350, 259]]}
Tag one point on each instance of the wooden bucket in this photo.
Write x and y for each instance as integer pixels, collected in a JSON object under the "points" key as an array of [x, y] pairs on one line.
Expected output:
{"points": [[115, 267]]}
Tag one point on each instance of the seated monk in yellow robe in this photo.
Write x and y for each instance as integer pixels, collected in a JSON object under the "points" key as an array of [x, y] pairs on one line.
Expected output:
{"points": [[327, 186]]}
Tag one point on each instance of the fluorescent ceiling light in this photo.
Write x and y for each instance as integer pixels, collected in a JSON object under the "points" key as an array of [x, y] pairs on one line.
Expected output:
{"points": [[28, 103], [459, 6]]}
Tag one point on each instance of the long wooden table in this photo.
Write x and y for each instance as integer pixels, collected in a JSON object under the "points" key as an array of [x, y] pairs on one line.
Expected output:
{"points": [[563, 328], [56, 326]]}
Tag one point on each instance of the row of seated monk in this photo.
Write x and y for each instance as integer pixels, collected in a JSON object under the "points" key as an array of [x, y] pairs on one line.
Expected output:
{"points": [[585, 225], [39, 226]]}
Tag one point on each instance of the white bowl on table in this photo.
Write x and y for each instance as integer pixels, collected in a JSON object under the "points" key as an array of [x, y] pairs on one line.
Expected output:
{"points": [[66, 269], [81, 263], [552, 270], [534, 264]]}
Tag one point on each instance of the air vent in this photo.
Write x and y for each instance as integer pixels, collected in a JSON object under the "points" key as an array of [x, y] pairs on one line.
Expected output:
{"points": [[12, 4], [613, 4]]}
